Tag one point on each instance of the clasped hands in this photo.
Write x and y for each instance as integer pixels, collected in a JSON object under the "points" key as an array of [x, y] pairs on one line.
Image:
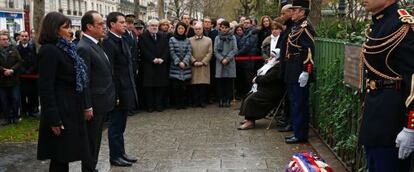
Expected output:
{"points": [[198, 64], [225, 61], [158, 61], [8, 72]]}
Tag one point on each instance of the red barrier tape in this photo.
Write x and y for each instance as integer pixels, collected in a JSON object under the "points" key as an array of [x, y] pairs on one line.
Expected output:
{"points": [[28, 76], [243, 58]]}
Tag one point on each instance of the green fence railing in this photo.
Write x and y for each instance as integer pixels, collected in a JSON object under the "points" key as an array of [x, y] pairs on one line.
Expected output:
{"points": [[335, 107]]}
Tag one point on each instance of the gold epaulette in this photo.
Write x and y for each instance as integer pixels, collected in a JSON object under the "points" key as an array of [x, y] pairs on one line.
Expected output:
{"points": [[405, 16]]}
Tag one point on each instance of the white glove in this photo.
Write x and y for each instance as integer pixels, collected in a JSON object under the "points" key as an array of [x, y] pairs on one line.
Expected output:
{"points": [[303, 79], [405, 142], [276, 53]]}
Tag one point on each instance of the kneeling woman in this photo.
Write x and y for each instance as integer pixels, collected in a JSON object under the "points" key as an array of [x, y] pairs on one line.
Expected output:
{"points": [[266, 93]]}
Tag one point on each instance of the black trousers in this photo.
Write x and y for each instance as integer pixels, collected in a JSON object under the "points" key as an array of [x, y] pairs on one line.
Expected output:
{"points": [[384, 159], [199, 92], [225, 88], [116, 128], [179, 91], [245, 74], [94, 127], [212, 88], [29, 96], [56, 166], [154, 97]]}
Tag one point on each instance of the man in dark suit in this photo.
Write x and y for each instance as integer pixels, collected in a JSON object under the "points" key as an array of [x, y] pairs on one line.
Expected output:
{"points": [[28, 76], [155, 55], [130, 37], [119, 54], [100, 95], [10, 62], [210, 32]]}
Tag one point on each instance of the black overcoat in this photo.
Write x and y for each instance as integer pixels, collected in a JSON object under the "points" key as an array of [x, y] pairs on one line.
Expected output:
{"points": [[154, 75], [119, 54], [270, 91], [61, 104]]}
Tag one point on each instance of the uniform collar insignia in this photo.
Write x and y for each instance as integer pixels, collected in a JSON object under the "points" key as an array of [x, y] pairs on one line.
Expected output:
{"points": [[379, 16], [406, 17], [304, 23]]}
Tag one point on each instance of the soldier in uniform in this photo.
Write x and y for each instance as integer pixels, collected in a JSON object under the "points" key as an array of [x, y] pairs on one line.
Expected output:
{"points": [[387, 129], [298, 68]]}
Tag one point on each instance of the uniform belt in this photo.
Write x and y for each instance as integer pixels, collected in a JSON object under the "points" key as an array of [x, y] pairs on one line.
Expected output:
{"points": [[383, 84]]}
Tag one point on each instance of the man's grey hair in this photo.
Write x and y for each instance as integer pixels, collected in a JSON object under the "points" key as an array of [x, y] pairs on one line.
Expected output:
{"points": [[153, 22]]}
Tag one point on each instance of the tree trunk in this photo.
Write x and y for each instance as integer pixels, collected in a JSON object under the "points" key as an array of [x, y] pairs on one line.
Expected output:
{"points": [[161, 14], [259, 6], [315, 14], [38, 13], [137, 9], [177, 8]]}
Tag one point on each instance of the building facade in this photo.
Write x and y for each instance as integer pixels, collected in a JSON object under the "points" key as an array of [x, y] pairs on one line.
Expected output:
{"points": [[128, 7], [74, 9], [12, 13]]}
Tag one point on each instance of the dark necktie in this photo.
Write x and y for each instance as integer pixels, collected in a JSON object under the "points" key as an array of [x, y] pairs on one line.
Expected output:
{"points": [[154, 36], [102, 49]]}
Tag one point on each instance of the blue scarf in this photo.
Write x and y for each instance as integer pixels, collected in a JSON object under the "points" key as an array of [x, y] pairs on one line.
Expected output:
{"points": [[79, 65]]}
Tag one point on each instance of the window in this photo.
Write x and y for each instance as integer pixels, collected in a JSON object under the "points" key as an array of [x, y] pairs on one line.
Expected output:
{"points": [[10, 3], [68, 4]]}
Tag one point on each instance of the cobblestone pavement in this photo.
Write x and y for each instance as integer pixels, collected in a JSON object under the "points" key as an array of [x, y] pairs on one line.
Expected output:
{"points": [[193, 140]]}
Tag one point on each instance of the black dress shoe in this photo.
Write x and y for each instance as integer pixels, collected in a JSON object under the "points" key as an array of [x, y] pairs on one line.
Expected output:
{"points": [[228, 103], [287, 128], [150, 110], [120, 162], [294, 140], [159, 109], [129, 159]]}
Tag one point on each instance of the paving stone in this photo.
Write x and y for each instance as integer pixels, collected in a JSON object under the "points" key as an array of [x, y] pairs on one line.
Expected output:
{"points": [[190, 140], [244, 164]]}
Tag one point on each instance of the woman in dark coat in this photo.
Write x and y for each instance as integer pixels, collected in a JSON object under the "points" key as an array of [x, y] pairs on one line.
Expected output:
{"points": [[62, 79], [266, 93], [264, 30], [180, 67]]}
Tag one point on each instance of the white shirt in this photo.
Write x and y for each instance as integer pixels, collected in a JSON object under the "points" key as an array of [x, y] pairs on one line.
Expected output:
{"points": [[91, 38], [116, 34], [273, 44]]}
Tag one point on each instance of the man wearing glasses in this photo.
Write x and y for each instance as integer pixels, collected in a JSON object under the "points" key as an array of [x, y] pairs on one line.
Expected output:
{"points": [[100, 95]]}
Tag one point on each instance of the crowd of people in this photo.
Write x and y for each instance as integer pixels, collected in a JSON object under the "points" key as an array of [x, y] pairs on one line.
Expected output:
{"points": [[114, 68]]}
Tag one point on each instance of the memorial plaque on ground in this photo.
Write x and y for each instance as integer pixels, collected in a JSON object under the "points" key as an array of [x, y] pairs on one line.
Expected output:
{"points": [[351, 65]]}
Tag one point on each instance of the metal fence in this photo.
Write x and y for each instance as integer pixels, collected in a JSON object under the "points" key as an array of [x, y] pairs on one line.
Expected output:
{"points": [[335, 107]]}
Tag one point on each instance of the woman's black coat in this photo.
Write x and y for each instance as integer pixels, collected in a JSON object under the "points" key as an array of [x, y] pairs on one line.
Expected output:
{"points": [[61, 104]]}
